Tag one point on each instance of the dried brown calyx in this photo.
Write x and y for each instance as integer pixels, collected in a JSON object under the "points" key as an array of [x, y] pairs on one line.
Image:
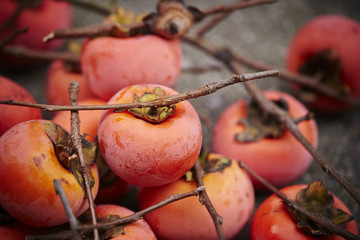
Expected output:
{"points": [[152, 114], [316, 198], [66, 154], [326, 66], [259, 125]]}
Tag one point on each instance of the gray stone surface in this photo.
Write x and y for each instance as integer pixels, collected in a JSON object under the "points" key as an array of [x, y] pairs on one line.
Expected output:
{"points": [[262, 33]]}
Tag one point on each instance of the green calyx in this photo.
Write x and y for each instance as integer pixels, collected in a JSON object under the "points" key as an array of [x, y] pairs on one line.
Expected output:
{"points": [[316, 198], [258, 125], [66, 154], [125, 21], [152, 114], [327, 67], [209, 165]]}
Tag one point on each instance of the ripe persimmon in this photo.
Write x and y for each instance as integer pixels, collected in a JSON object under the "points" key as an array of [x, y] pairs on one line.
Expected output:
{"points": [[110, 64], [139, 230], [12, 115], [32, 155], [229, 189], [58, 78], [244, 133], [149, 153]]}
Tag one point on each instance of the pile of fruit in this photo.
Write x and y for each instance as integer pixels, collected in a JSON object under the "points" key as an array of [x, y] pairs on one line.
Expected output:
{"points": [[50, 165]]}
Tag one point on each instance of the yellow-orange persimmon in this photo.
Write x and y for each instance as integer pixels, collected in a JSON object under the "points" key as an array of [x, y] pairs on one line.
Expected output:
{"points": [[28, 167], [230, 190]]}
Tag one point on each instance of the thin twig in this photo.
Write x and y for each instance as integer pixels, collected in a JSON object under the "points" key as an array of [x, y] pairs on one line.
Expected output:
{"points": [[211, 24], [72, 219], [225, 55], [80, 32], [322, 221], [204, 199], [236, 6], [11, 20], [12, 36], [76, 141], [164, 101], [23, 52]]}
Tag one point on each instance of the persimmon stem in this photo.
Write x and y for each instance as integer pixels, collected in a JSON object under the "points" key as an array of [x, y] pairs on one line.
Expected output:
{"points": [[163, 101], [76, 141], [72, 219]]}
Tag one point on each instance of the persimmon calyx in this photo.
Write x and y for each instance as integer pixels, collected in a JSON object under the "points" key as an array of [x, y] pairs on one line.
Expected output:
{"points": [[125, 22], [316, 198], [209, 165], [66, 154], [108, 233], [258, 125], [326, 66], [152, 114]]}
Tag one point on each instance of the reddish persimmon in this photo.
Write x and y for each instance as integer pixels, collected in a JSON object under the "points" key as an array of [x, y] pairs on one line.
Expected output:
{"points": [[139, 230], [146, 153], [12, 115], [230, 191], [29, 164], [272, 220], [58, 79], [280, 159], [110, 64], [41, 17], [327, 47], [89, 119]]}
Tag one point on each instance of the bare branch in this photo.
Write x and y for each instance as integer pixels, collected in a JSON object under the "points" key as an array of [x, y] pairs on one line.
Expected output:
{"points": [[164, 101], [236, 6], [76, 141], [72, 219], [12, 36], [204, 199], [23, 52]]}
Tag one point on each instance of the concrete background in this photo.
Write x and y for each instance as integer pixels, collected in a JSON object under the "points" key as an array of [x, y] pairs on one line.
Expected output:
{"points": [[262, 33]]}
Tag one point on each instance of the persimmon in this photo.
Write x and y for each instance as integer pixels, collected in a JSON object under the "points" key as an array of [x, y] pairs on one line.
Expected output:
{"points": [[136, 230], [244, 133], [40, 17], [149, 146], [32, 155], [110, 64], [12, 115], [229, 189], [58, 78], [327, 47], [272, 220]]}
